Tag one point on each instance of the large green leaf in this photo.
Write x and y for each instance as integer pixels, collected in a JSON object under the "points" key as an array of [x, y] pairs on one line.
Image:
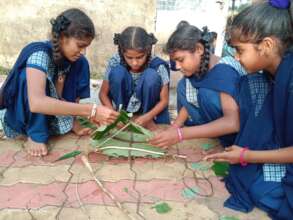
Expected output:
{"points": [[110, 148], [221, 168], [104, 130]]}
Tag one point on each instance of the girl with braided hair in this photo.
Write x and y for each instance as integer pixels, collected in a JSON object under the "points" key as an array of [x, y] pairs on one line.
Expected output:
{"points": [[42, 91], [205, 94], [137, 81]]}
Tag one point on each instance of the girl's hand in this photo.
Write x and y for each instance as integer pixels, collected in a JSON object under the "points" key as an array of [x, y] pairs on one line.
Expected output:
{"points": [[142, 120], [231, 155], [165, 138], [105, 115]]}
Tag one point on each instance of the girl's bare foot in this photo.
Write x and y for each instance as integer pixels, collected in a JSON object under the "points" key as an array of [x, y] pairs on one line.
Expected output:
{"points": [[35, 149], [79, 130]]}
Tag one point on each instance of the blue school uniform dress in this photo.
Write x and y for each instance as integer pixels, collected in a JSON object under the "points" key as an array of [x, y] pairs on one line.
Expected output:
{"points": [[266, 107], [138, 92], [201, 96], [18, 119]]}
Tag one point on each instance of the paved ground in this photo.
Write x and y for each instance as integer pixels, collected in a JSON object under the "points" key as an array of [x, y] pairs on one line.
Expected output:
{"points": [[39, 188], [42, 189]]}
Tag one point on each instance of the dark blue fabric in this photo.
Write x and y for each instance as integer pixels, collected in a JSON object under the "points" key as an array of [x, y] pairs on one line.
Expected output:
{"points": [[283, 116], [10, 86], [271, 128], [18, 115], [256, 131], [221, 78], [147, 90]]}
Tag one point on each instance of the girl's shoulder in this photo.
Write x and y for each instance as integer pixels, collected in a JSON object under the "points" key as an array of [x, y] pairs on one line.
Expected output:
{"points": [[231, 62], [114, 60]]}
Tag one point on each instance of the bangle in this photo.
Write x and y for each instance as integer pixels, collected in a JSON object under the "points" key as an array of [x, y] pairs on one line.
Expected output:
{"points": [[241, 157], [180, 135], [173, 125], [93, 112]]}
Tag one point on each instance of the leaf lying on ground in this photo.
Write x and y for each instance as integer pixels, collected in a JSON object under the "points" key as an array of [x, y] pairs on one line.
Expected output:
{"points": [[69, 155], [162, 208], [220, 168], [228, 218]]}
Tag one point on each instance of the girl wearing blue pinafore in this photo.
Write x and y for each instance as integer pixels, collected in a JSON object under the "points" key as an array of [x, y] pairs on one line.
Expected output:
{"points": [[261, 174], [47, 80], [135, 80], [206, 94]]}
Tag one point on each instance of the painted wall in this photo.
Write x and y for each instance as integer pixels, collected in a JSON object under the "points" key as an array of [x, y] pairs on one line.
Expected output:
{"points": [[22, 22]]}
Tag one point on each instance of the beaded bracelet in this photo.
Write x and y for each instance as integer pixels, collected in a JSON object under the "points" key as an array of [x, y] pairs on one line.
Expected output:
{"points": [[241, 157]]}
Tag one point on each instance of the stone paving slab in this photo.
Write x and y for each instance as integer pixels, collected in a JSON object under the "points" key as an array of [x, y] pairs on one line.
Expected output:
{"points": [[40, 188]]}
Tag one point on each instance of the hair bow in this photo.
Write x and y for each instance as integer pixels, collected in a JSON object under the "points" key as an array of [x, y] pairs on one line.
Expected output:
{"points": [[283, 4]]}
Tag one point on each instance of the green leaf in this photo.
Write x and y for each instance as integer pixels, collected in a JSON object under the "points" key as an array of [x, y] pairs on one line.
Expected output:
{"points": [[69, 155], [84, 122], [124, 152], [200, 166], [104, 130], [189, 193], [228, 218], [162, 208], [207, 146], [220, 168], [125, 189]]}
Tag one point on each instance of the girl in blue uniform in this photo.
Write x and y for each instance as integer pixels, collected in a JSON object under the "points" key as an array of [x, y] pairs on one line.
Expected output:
{"points": [[261, 174], [42, 91], [206, 93], [135, 80]]}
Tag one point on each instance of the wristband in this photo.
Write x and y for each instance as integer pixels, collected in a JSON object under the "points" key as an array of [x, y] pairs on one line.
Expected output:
{"points": [[180, 135], [93, 112], [241, 157], [173, 125]]}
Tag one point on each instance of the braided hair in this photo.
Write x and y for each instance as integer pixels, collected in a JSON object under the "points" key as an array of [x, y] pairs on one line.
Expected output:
{"points": [[70, 23], [185, 37], [134, 38]]}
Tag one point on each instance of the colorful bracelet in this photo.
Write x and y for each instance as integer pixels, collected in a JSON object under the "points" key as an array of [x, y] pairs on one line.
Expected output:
{"points": [[241, 157], [180, 134]]}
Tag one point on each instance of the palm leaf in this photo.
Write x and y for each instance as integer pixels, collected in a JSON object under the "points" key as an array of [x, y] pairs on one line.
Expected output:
{"points": [[69, 155]]}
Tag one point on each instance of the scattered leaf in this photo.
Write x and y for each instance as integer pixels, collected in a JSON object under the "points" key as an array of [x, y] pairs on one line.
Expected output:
{"points": [[220, 168], [200, 166], [162, 208], [228, 218], [207, 146], [189, 193], [69, 155]]}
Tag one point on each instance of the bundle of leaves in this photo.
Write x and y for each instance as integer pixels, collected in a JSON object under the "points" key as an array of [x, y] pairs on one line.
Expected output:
{"points": [[123, 138]]}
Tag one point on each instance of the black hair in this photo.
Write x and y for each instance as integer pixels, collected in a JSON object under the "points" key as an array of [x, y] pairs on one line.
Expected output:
{"points": [[261, 20], [134, 38], [70, 23], [185, 37]]}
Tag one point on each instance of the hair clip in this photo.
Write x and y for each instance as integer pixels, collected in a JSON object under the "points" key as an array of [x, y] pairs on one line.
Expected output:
{"points": [[116, 39], [282, 4], [60, 24], [153, 38], [205, 35]]}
